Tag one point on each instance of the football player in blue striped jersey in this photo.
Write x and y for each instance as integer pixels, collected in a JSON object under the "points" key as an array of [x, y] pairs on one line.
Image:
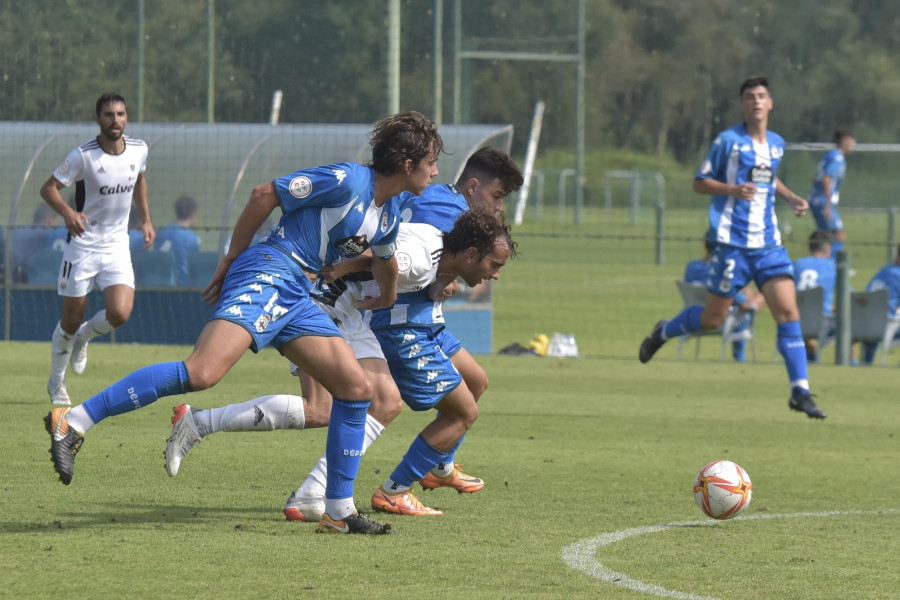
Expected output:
{"points": [[740, 173]]}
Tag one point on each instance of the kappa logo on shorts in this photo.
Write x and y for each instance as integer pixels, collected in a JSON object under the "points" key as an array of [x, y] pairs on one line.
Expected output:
{"points": [[441, 386], [423, 361], [408, 337], [265, 277], [431, 376], [245, 298], [414, 350], [262, 323], [236, 311], [255, 287]]}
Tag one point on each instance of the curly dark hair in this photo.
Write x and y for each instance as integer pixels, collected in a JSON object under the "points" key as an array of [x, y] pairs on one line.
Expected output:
{"points": [[400, 137], [480, 229], [490, 163]]}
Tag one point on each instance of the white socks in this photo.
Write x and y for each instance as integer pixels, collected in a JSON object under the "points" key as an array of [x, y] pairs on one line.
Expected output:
{"points": [[314, 486], [60, 349], [97, 325], [266, 413], [79, 419]]}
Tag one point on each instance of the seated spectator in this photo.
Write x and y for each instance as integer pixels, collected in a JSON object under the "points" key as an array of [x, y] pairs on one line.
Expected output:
{"points": [[178, 239], [817, 270], [749, 300], [44, 233], [887, 278]]}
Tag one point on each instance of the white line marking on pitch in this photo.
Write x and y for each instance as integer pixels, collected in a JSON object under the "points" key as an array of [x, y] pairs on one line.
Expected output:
{"points": [[581, 555]]}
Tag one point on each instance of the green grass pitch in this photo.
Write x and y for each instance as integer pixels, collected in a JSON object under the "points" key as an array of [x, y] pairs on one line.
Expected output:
{"points": [[571, 449]]}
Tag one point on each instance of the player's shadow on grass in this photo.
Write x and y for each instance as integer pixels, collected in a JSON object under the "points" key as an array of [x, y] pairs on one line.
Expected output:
{"points": [[243, 519]]}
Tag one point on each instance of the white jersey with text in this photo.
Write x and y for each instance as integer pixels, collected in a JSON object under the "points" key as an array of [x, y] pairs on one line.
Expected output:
{"points": [[104, 188]]}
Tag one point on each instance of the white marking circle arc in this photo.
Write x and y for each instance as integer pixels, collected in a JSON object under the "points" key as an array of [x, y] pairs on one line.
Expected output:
{"points": [[580, 555]]}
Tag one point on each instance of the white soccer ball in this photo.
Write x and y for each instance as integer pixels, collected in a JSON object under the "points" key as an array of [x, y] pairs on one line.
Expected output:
{"points": [[722, 489]]}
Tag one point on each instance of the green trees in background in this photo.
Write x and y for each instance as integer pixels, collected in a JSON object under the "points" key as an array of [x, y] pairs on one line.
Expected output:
{"points": [[662, 75]]}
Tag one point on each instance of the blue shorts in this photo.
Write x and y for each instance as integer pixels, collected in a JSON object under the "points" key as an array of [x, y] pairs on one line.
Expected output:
{"points": [[817, 208], [419, 365], [732, 269], [267, 293]]}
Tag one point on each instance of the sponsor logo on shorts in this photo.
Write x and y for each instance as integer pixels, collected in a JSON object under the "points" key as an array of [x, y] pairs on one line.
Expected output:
{"points": [[416, 348], [235, 310], [422, 361], [441, 386], [431, 376]]}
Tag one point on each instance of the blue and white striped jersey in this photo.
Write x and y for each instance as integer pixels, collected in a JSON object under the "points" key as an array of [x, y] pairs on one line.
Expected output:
{"points": [[834, 165], [439, 206], [734, 158], [330, 214]]}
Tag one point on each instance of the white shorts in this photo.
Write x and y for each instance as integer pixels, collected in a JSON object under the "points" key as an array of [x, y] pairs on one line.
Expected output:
{"points": [[82, 268]]}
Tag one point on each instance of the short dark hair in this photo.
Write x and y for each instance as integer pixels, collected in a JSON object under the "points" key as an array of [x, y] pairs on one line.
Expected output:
{"points": [[185, 207], [108, 98], [709, 245], [490, 163], [818, 239], [752, 82], [842, 132], [401, 137], [481, 229]]}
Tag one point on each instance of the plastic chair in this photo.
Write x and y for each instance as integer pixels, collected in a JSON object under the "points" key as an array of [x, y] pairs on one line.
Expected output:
{"points": [[154, 269], [201, 268], [814, 324], [869, 320], [43, 267], [694, 295]]}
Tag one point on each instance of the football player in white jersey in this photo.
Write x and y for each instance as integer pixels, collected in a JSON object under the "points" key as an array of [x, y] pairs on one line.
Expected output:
{"points": [[108, 174]]}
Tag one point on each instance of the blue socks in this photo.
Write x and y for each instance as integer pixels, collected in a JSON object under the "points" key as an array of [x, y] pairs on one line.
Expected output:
{"points": [[792, 348], [344, 446], [144, 386], [687, 321], [418, 460]]}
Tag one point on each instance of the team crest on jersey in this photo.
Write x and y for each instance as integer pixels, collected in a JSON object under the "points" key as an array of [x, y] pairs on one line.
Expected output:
{"points": [[262, 323], [353, 245], [131, 167], [300, 187], [384, 222], [404, 262]]}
